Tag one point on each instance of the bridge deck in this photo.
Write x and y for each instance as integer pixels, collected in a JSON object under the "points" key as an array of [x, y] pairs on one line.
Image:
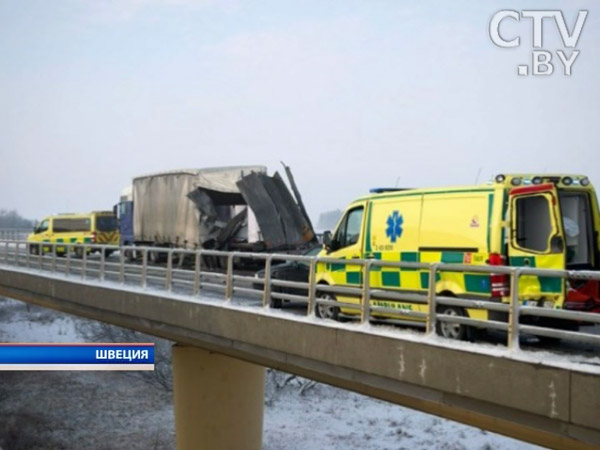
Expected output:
{"points": [[551, 405]]}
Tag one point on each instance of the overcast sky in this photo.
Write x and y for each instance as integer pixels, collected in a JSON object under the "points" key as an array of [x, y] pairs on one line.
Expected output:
{"points": [[350, 94]]}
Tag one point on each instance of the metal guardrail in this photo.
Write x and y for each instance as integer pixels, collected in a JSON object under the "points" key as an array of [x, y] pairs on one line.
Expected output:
{"points": [[14, 234], [77, 261]]}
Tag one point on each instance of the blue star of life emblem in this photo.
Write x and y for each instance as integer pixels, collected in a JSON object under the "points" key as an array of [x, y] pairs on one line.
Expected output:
{"points": [[394, 226]]}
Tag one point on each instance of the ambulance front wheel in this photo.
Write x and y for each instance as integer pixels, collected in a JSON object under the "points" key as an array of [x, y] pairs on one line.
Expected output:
{"points": [[327, 311], [452, 330]]}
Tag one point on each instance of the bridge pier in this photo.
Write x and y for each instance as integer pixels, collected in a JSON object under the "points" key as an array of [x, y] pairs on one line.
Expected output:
{"points": [[218, 400]]}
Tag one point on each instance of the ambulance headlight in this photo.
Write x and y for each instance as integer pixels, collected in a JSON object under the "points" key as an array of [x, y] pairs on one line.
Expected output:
{"points": [[567, 181], [516, 181], [500, 178], [585, 181], [537, 180]]}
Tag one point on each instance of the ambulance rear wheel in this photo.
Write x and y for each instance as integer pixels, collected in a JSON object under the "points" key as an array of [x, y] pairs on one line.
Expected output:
{"points": [[451, 330], [327, 311]]}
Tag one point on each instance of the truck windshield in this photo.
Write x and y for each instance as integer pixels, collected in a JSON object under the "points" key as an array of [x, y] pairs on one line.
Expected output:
{"points": [[106, 223], [577, 223]]}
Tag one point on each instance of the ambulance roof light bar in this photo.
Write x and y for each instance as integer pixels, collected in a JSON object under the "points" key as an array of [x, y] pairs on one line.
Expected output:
{"points": [[539, 179], [382, 190]]}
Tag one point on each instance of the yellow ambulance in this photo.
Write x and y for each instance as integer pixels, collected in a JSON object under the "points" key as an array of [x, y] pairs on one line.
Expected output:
{"points": [[98, 227], [542, 221]]}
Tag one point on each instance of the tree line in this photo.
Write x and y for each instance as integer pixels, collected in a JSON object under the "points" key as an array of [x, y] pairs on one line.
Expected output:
{"points": [[12, 219]]}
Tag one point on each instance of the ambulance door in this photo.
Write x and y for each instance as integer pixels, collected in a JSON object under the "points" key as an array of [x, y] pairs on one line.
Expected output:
{"points": [[347, 243], [41, 232], [536, 240], [45, 233]]}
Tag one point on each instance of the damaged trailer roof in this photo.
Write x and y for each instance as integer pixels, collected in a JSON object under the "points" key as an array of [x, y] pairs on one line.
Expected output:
{"points": [[279, 217]]}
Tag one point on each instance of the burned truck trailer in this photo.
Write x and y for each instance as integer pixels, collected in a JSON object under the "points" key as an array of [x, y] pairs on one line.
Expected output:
{"points": [[228, 208]]}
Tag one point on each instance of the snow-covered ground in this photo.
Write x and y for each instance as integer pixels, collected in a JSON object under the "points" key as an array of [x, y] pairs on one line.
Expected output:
{"points": [[325, 417], [115, 410]]}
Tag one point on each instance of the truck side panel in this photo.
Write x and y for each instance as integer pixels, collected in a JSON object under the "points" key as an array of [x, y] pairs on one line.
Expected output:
{"points": [[162, 212]]}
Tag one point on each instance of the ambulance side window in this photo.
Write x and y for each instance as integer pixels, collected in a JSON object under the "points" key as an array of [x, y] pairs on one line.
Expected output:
{"points": [[534, 224], [349, 230], [42, 227]]}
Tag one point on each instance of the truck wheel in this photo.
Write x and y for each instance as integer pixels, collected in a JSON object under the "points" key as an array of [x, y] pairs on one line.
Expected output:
{"points": [[451, 330], [130, 255], [327, 311], [548, 341], [276, 303], [154, 256]]}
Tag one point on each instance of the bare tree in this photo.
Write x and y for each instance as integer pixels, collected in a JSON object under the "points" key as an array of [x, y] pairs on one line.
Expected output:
{"points": [[102, 332]]}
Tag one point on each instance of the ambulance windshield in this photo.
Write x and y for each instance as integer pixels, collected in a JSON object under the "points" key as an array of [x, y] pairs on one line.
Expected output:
{"points": [[577, 223]]}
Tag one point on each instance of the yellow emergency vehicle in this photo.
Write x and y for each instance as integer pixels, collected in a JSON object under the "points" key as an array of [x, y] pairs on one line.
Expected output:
{"points": [[542, 221], [98, 227]]}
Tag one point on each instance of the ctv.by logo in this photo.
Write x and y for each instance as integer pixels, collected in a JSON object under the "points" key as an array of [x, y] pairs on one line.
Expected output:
{"points": [[541, 60]]}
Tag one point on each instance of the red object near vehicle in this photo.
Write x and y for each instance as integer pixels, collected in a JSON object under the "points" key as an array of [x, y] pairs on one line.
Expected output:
{"points": [[583, 295]]}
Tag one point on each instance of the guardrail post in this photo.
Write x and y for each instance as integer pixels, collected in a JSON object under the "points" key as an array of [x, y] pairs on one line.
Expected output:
{"points": [[513, 315], [6, 252], [312, 287], [53, 257], [28, 255], [365, 309], [102, 262], [197, 270], [169, 274], [68, 264], [143, 280], [84, 262], [266, 301], [229, 281], [17, 248], [432, 299], [121, 265]]}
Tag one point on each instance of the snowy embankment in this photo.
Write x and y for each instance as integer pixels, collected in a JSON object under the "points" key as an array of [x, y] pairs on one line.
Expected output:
{"points": [[84, 409]]}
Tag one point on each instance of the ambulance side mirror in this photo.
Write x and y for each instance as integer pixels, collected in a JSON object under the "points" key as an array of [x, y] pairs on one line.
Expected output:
{"points": [[327, 239], [329, 243]]}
